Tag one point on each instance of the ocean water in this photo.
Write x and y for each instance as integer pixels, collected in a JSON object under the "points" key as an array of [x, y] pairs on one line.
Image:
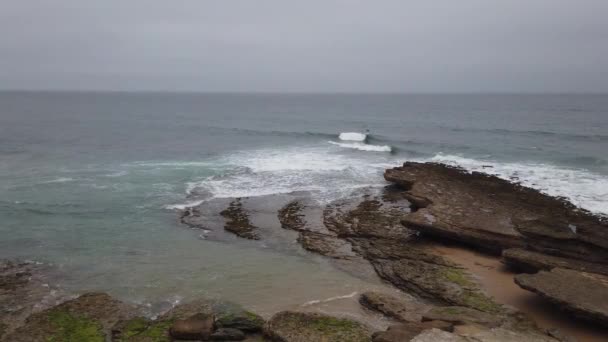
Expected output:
{"points": [[90, 182]]}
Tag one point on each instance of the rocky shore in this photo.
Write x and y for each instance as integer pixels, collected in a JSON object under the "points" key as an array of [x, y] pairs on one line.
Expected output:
{"points": [[559, 252]]}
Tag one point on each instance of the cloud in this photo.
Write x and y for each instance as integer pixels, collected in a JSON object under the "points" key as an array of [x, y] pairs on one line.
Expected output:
{"points": [[317, 45]]}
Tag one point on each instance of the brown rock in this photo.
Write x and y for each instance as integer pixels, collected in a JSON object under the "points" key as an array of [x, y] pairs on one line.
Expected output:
{"points": [[532, 262], [407, 331], [580, 293], [494, 214], [289, 326], [238, 221], [89, 317], [197, 327], [462, 315], [402, 309], [228, 334]]}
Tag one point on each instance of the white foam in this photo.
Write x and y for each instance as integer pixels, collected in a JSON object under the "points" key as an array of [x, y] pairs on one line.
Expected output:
{"points": [[183, 206], [363, 147], [326, 174], [58, 180], [583, 188], [330, 299], [353, 136]]}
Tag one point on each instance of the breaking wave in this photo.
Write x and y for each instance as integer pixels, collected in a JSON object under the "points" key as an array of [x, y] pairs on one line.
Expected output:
{"points": [[352, 136]]}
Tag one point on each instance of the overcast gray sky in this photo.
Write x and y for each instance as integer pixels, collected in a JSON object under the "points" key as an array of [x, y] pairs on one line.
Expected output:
{"points": [[311, 45]]}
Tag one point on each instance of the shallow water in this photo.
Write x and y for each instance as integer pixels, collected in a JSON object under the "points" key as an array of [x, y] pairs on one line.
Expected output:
{"points": [[90, 182]]}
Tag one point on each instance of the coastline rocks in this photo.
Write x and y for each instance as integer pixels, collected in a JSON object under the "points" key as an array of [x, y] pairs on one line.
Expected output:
{"points": [[580, 293], [22, 290], [493, 214], [227, 334], [401, 309], [237, 221], [197, 327], [89, 317], [289, 326], [532, 262], [462, 315], [407, 331]]}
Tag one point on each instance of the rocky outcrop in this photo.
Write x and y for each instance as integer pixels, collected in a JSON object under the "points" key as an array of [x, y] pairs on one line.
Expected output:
{"points": [[400, 308], [580, 293], [289, 326], [89, 317], [494, 214], [196, 327], [532, 262], [407, 331], [237, 221], [22, 290]]}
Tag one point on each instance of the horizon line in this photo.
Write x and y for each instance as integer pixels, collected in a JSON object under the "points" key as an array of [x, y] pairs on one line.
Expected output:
{"points": [[228, 92]]}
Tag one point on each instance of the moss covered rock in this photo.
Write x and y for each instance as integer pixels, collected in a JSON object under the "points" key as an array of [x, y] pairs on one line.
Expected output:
{"points": [[290, 326], [86, 318]]}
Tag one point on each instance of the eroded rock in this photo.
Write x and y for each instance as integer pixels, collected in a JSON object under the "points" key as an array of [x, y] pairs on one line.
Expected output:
{"points": [[196, 327], [532, 262], [402, 309], [494, 214], [580, 293], [89, 317], [407, 331], [289, 326], [237, 221]]}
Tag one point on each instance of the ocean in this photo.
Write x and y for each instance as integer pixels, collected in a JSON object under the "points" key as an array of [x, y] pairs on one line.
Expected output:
{"points": [[91, 183]]}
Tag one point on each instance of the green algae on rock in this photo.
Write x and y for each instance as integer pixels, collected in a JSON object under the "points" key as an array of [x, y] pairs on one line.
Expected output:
{"points": [[288, 326]]}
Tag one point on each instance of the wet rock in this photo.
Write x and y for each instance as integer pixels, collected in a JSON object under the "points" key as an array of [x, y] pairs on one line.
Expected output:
{"points": [[484, 335], [326, 245], [442, 285], [227, 334], [369, 218], [580, 293], [189, 309], [494, 214], [197, 327], [407, 331], [23, 290], [436, 335], [532, 262], [237, 221], [291, 326], [462, 315], [240, 319], [89, 317], [291, 216], [402, 309]]}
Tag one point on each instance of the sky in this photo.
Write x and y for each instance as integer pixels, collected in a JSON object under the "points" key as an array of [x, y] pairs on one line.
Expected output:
{"points": [[305, 46]]}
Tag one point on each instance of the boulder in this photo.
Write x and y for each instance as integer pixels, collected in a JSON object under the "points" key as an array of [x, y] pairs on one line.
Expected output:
{"points": [[89, 317], [227, 334], [289, 326], [236, 318], [407, 331], [580, 293], [197, 327], [484, 335], [402, 309], [493, 214], [532, 262], [462, 315]]}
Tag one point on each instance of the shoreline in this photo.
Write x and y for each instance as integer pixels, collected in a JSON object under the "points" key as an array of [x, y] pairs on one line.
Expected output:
{"points": [[419, 239], [497, 280]]}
